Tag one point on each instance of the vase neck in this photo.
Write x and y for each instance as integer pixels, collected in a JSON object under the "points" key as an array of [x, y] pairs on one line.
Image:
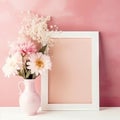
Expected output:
{"points": [[29, 85]]}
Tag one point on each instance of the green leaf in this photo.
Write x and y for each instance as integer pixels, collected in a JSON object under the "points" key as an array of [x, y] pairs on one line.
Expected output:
{"points": [[28, 74], [23, 73], [33, 76], [19, 73], [43, 49]]}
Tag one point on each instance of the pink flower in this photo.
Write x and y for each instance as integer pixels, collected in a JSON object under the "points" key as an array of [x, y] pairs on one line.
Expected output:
{"points": [[25, 47]]}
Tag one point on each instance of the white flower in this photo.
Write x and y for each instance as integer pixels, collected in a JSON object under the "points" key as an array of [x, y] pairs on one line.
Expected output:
{"points": [[13, 63], [36, 28], [39, 63]]}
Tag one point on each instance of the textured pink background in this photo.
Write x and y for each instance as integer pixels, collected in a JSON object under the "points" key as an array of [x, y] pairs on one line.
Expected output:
{"points": [[101, 15]]}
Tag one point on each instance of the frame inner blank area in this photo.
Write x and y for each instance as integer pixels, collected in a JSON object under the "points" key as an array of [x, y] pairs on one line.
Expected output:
{"points": [[70, 80]]}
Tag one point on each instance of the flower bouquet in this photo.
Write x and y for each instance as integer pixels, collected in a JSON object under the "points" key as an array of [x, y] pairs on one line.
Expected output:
{"points": [[28, 56]]}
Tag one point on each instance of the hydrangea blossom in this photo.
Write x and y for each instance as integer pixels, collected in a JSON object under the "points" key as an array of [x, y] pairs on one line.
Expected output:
{"points": [[36, 28]]}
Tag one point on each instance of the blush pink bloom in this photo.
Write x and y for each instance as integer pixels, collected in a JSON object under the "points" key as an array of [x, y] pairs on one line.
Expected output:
{"points": [[25, 47]]}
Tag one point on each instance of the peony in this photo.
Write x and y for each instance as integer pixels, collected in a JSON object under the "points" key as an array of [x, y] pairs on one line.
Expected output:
{"points": [[24, 47], [38, 63]]}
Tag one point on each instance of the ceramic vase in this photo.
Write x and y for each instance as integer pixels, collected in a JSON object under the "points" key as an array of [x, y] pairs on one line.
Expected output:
{"points": [[29, 99]]}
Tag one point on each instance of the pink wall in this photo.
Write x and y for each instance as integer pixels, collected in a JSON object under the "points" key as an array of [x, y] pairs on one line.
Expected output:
{"points": [[101, 15]]}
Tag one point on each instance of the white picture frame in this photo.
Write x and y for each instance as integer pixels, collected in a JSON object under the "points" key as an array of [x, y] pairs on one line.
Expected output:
{"points": [[94, 37]]}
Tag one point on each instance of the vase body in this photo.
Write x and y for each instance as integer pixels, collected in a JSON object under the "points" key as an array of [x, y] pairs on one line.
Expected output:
{"points": [[29, 99]]}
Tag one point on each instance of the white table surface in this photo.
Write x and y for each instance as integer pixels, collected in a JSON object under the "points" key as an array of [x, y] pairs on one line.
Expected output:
{"points": [[108, 113]]}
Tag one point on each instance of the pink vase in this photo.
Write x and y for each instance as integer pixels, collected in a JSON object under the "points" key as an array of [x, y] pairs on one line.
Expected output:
{"points": [[29, 100]]}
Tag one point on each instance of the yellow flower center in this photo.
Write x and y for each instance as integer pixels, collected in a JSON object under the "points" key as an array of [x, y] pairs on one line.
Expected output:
{"points": [[39, 63]]}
